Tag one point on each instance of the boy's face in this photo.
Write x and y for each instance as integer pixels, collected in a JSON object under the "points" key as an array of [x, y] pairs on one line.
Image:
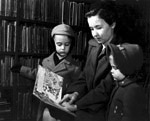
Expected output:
{"points": [[101, 31], [62, 45], [117, 75]]}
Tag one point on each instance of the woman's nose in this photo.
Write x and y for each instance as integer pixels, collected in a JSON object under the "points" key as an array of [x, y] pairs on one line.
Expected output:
{"points": [[95, 33]]}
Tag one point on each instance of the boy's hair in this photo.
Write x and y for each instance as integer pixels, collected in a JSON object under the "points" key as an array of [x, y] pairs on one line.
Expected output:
{"points": [[127, 57], [105, 10]]}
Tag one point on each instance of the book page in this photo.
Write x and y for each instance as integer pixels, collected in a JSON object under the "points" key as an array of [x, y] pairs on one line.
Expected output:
{"points": [[49, 84], [48, 88]]}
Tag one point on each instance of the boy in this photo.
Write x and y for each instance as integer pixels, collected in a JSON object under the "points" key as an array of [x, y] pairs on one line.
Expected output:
{"points": [[59, 62], [128, 100]]}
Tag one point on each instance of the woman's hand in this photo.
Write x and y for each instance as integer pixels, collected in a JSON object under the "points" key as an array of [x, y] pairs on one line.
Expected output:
{"points": [[69, 107], [69, 98]]}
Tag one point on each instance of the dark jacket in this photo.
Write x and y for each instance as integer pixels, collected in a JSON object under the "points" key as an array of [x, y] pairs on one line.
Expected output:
{"points": [[128, 102], [94, 85]]}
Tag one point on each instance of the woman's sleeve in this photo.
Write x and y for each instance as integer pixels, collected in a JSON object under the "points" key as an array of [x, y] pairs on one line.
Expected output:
{"points": [[98, 96], [78, 86]]}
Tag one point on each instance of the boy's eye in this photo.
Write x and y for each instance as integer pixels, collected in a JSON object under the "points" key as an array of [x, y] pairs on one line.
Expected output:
{"points": [[67, 44], [59, 44]]}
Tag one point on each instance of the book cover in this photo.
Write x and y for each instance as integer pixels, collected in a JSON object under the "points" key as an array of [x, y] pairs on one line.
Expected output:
{"points": [[48, 88]]}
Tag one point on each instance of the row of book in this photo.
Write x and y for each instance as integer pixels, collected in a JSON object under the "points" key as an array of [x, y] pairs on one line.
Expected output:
{"points": [[68, 12], [7, 78], [6, 62], [34, 39], [73, 13], [26, 106], [29, 62], [81, 48], [5, 107], [7, 36], [81, 43], [8, 8], [37, 39]]}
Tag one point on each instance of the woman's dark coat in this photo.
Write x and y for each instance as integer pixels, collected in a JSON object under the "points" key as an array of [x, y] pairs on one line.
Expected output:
{"points": [[94, 85]]}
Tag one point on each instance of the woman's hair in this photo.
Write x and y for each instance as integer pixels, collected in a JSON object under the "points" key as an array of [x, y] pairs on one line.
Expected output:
{"points": [[125, 17], [105, 10]]}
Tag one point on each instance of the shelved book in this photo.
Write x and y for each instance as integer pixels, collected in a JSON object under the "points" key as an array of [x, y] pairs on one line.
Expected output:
{"points": [[48, 88], [5, 109]]}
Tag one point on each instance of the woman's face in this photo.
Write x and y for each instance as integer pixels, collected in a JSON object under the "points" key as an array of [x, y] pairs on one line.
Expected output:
{"points": [[62, 44], [101, 31]]}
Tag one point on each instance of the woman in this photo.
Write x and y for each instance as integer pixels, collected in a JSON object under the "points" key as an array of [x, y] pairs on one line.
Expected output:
{"points": [[89, 96]]}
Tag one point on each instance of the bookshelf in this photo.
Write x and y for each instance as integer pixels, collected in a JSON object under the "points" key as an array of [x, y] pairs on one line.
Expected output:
{"points": [[25, 29]]}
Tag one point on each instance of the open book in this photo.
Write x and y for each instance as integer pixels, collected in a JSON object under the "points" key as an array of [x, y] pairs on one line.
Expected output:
{"points": [[48, 88]]}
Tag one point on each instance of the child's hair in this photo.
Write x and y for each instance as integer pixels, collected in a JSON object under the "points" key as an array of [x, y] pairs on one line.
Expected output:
{"points": [[127, 57], [105, 10]]}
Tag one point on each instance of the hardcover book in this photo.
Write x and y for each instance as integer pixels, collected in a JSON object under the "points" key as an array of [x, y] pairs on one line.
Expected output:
{"points": [[48, 88]]}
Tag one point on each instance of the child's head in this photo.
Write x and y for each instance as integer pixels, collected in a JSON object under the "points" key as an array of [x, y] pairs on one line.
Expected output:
{"points": [[63, 36], [125, 59]]}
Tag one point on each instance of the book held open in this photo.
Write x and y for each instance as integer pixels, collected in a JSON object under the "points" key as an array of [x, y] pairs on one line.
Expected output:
{"points": [[48, 88], [49, 84]]}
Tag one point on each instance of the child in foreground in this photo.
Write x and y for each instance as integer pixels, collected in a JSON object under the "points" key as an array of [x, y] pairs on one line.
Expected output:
{"points": [[128, 101], [59, 62]]}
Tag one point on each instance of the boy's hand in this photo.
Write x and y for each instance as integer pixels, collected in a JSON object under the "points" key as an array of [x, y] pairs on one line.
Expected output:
{"points": [[69, 107], [70, 98]]}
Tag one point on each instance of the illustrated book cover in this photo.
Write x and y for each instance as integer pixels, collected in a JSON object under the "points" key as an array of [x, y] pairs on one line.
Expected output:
{"points": [[48, 88]]}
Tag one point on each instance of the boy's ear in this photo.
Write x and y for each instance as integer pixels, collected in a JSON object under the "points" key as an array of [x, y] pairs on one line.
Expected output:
{"points": [[113, 25]]}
